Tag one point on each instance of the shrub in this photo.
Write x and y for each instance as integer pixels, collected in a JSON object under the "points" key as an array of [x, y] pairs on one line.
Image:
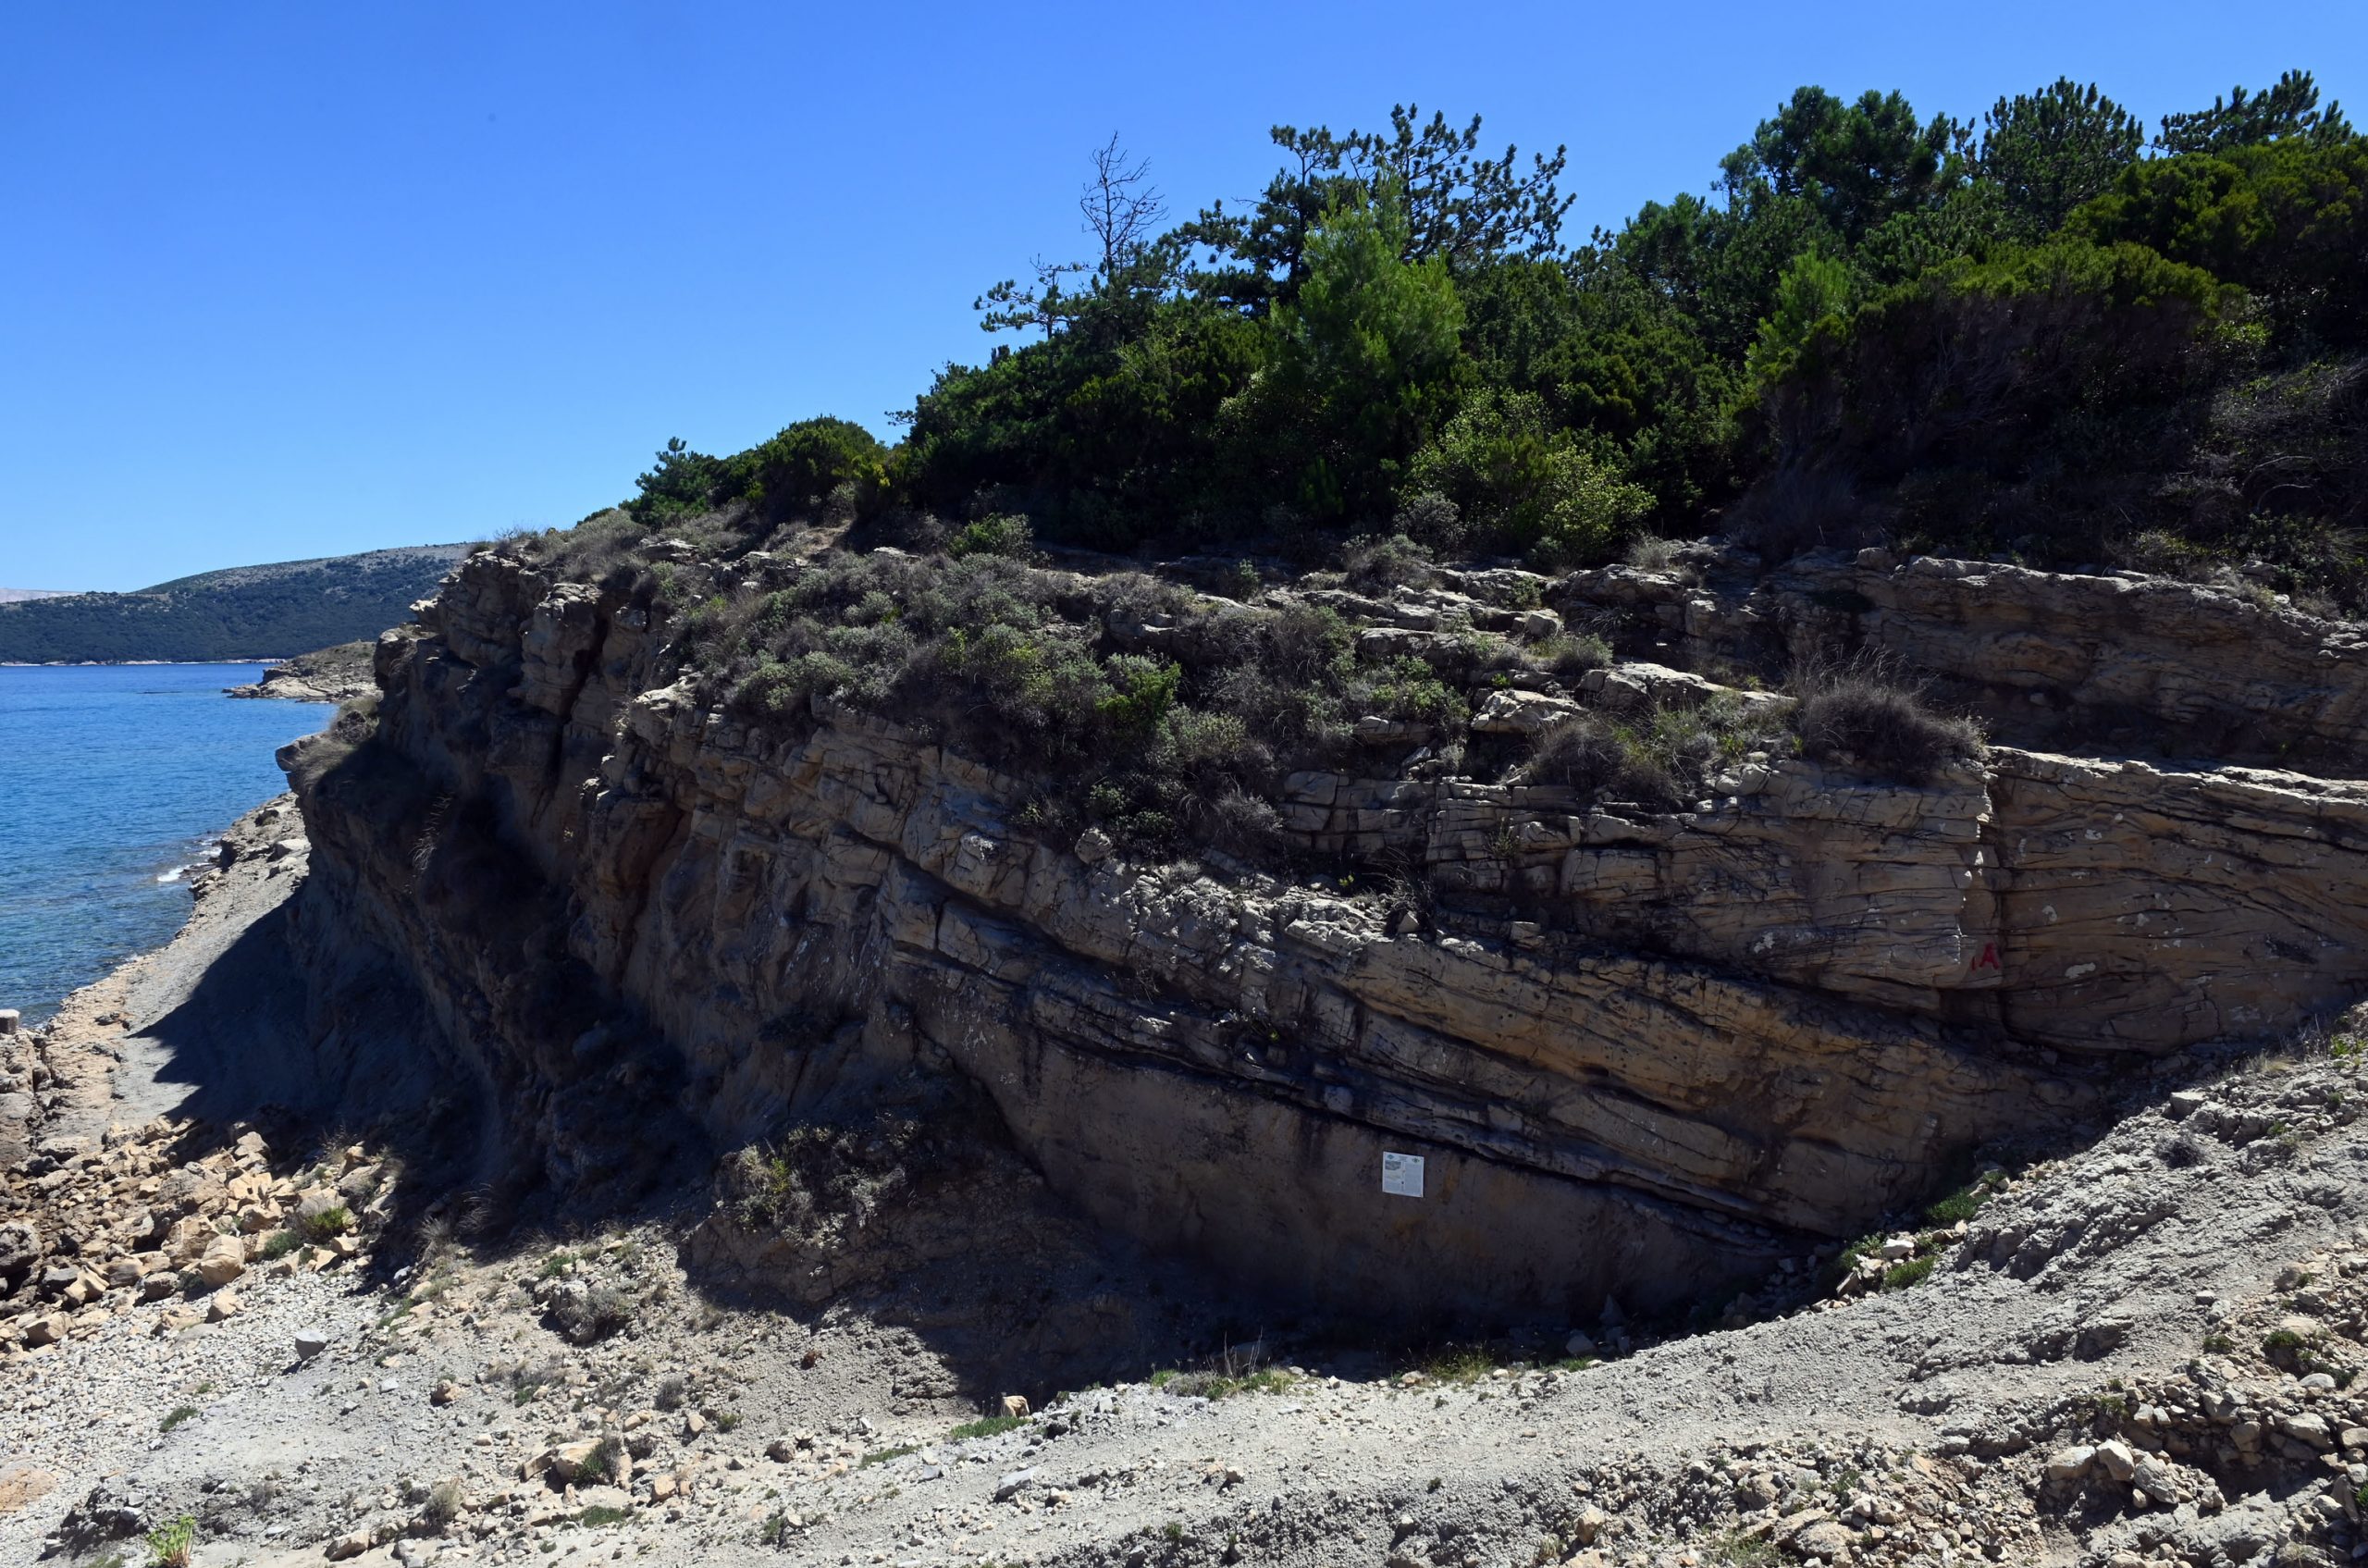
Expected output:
{"points": [[1856, 716], [985, 1427], [1001, 534], [169, 1544], [1657, 760], [1580, 754], [1410, 689], [2032, 399], [1570, 655], [1966, 1201], [1527, 485], [1906, 1272], [814, 461], [605, 1460], [443, 1505], [1428, 519], [333, 1221], [597, 1313], [1647, 553], [1376, 565]]}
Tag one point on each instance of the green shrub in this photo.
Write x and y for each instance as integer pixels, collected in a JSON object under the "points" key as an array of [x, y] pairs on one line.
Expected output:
{"points": [[169, 1544], [1529, 486], [986, 1426], [1908, 1271], [1410, 689], [333, 1221], [1001, 534], [815, 462], [1966, 1201], [443, 1505]]}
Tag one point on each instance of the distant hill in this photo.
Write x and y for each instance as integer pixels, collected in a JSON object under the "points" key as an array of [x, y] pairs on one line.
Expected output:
{"points": [[238, 613], [17, 596]]}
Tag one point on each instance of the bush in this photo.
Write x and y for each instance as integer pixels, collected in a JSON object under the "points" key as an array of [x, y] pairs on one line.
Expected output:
{"points": [[443, 1505], [169, 1544], [1525, 486], [1376, 565], [1002, 534], [1411, 690], [2031, 400], [585, 1316], [1570, 655], [605, 1460], [334, 1221], [815, 462], [1581, 754], [2288, 220], [1657, 759], [1857, 716]]}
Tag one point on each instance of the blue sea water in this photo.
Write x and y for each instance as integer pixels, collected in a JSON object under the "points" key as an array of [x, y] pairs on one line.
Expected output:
{"points": [[113, 778]]}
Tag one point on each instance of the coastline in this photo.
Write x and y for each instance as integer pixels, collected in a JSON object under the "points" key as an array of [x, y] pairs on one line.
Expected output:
{"points": [[102, 1058], [139, 663]]}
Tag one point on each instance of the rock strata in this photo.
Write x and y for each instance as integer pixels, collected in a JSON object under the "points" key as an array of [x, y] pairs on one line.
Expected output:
{"points": [[1628, 1044]]}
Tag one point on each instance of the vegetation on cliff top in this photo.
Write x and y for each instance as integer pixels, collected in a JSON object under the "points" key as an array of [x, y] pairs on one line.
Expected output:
{"points": [[2041, 334]]}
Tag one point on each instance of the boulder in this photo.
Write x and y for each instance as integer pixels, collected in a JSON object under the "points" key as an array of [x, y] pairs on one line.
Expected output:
{"points": [[20, 1250], [221, 1262], [1525, 713], [49, 1329]]}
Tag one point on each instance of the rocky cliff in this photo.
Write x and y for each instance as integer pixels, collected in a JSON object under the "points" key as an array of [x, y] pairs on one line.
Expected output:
{"points": [[1638, 1051]]}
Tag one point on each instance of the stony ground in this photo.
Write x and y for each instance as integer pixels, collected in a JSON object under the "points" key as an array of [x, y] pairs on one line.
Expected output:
{"points": [[2142, 1352]]}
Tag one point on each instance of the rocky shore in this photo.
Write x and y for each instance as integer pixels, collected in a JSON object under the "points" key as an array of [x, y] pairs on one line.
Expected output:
{"points": [[331, 674]]}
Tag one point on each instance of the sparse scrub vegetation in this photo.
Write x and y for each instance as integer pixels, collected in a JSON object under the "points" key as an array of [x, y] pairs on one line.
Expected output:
{"points": [[1859, 716], [1661, 759]]}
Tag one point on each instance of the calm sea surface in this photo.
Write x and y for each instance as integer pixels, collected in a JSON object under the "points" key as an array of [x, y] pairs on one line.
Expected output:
{"points": [[111, 781]]}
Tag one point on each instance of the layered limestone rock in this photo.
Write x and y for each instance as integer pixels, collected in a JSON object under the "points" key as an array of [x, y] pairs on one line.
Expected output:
{"points": [[1642, 1051], [2125, 662]]}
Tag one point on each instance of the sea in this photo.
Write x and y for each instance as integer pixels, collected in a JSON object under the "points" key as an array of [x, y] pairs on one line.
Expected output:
{"points": [[114, 779]]}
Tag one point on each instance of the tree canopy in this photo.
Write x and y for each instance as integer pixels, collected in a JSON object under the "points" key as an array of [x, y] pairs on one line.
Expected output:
{"points": [[2035, 332]]}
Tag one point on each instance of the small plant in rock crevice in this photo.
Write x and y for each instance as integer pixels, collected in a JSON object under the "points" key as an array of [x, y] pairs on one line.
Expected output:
{"points": [[170, 1544]]}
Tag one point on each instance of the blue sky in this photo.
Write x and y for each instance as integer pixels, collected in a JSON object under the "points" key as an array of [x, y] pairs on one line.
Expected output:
{"points": [[289, 280]]}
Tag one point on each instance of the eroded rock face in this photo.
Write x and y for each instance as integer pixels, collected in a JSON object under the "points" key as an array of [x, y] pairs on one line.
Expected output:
{"points": [[1654, 1050], [2131, 665]]}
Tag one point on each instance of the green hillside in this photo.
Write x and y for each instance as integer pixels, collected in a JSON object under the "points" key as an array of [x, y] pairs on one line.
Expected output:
{"points": [[238, 613]]}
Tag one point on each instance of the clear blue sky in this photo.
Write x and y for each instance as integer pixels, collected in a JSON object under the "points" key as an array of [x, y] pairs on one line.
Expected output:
{"points": [[291, 279]]}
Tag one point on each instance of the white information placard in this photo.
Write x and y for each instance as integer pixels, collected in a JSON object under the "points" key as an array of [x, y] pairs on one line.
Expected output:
{"points": [[1401, 1175]]}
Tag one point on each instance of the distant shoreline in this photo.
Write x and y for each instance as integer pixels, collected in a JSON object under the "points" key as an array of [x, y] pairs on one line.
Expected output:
{"points": [[137, 663]]}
